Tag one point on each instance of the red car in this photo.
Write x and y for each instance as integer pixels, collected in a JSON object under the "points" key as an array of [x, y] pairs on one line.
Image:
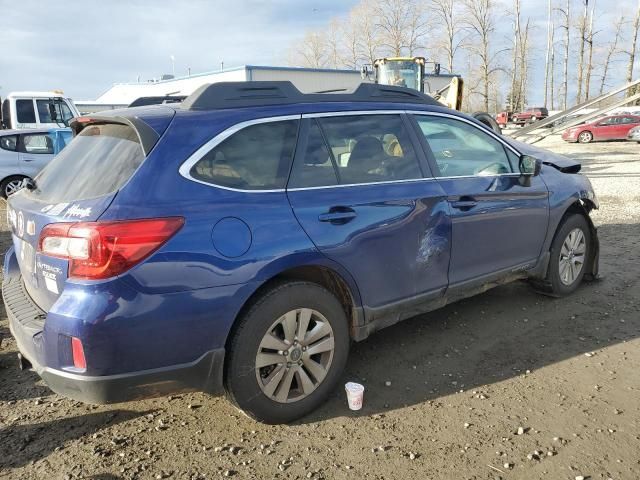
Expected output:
{"points": [[614, 127], [530, 115]]}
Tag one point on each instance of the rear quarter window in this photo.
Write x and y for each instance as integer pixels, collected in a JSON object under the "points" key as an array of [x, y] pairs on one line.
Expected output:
{"points": [[258, 157], [9, 142], [99, 161]]}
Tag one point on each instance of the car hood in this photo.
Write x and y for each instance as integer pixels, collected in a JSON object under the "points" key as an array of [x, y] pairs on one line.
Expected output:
{"points": [[560, 162]]}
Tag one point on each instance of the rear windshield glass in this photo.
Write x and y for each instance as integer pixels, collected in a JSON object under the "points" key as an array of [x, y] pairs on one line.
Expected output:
{"points": [[97, 162]]}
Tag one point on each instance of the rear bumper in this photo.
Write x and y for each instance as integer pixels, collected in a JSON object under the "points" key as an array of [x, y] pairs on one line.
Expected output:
{"points": [[26, 322], [205, 374]]}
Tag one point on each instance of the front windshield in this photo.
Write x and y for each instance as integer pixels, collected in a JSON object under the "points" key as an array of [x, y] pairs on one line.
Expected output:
{"points": [[399, 73]]}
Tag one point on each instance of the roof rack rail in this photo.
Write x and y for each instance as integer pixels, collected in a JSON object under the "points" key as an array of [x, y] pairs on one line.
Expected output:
{"points": [[263, 93]]}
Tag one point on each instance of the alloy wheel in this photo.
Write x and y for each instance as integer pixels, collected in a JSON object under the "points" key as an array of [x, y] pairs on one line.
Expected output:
{"points": [[12, 187], [585, 137], [295, 355], [572, 256]]}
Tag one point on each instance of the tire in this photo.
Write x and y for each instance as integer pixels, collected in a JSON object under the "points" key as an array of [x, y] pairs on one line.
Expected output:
{"points": [[560, 284], [585, 137], [487, 120], [248, 385], [8, 184]]}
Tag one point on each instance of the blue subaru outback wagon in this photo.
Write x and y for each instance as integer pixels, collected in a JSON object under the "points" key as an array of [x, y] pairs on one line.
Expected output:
{"points": [[240, 241]]}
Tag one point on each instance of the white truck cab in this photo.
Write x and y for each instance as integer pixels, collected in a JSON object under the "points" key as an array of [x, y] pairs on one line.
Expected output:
{"points": [[22, 110]]}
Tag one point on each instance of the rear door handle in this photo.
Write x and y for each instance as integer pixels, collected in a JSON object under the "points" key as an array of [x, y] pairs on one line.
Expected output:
{"points": [[338, 215]]}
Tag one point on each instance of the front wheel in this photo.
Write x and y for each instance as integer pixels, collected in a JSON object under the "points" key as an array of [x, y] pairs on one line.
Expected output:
{"points": [[585, 137], [287, 352], [569, 254]]}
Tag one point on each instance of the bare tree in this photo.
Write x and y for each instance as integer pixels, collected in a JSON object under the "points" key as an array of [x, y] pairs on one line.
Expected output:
{"points": [[566, 25], [611, 52], [352, 55], [524, 64], [590, 36], [481, 23], [446, 14], [582, 30], [333, 42], [514, 101], [311, 52], [393, 17], [548, 53], [552, 66], [366, 23], [417, 27], [632, 50]]}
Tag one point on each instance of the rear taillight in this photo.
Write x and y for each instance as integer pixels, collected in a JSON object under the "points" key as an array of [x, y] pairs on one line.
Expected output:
{"points": [[98, 250]]}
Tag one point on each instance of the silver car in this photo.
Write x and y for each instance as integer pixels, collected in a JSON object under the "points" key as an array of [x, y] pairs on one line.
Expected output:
{"points": [[23, 153]]}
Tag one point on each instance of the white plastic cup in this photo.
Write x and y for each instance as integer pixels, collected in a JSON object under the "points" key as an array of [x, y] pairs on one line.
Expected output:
{"points": [[355, 395]]}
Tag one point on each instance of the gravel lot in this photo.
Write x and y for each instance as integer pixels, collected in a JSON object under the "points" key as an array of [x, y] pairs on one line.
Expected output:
{"points": [[508, 384]]}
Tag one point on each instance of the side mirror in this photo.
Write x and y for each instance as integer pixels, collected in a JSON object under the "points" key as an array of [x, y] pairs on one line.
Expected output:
{"points": [[529, 167]]}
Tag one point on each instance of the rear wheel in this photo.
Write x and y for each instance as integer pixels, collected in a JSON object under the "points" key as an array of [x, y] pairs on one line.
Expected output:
{"points": [[11, 185], [287, 352], [569, 254], [585, 137]]}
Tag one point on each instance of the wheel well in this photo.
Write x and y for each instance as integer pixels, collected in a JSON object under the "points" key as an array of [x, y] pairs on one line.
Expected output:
{"points": [[17, 175], [328, 279], [582, 206], [322, 276]]}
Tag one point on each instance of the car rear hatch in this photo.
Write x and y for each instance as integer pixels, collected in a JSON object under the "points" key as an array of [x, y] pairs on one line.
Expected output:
{"points": [[77, 186]]}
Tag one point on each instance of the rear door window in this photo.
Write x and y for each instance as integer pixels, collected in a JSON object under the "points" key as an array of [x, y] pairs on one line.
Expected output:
{"points": [[258, 157], [37, 143], [370, 148], [25, 112], [314, 165], [98, 161]]}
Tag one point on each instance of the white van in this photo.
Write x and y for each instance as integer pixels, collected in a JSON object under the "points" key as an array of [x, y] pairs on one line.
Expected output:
{"points": [[21, 110]]}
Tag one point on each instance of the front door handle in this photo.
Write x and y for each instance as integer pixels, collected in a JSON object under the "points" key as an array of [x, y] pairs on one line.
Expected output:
{"points": [[338, 215], [464, 203]]}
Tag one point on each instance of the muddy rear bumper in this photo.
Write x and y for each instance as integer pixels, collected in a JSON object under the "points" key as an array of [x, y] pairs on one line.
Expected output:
{"points": [[205, 374], [27, 325]]}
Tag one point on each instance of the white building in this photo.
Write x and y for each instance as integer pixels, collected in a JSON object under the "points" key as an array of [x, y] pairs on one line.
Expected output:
{"points": [[305, 79]]}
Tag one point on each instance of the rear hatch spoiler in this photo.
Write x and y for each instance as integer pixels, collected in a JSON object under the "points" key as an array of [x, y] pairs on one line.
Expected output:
{"points": [[149, 123], [147, 135]]}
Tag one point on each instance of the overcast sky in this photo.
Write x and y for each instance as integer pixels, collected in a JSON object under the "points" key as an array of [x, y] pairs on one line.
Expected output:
{"points": [[83, 47]]}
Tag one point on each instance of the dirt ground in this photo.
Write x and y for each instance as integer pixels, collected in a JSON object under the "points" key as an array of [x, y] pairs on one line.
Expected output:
{"points": [[464, 380]]}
